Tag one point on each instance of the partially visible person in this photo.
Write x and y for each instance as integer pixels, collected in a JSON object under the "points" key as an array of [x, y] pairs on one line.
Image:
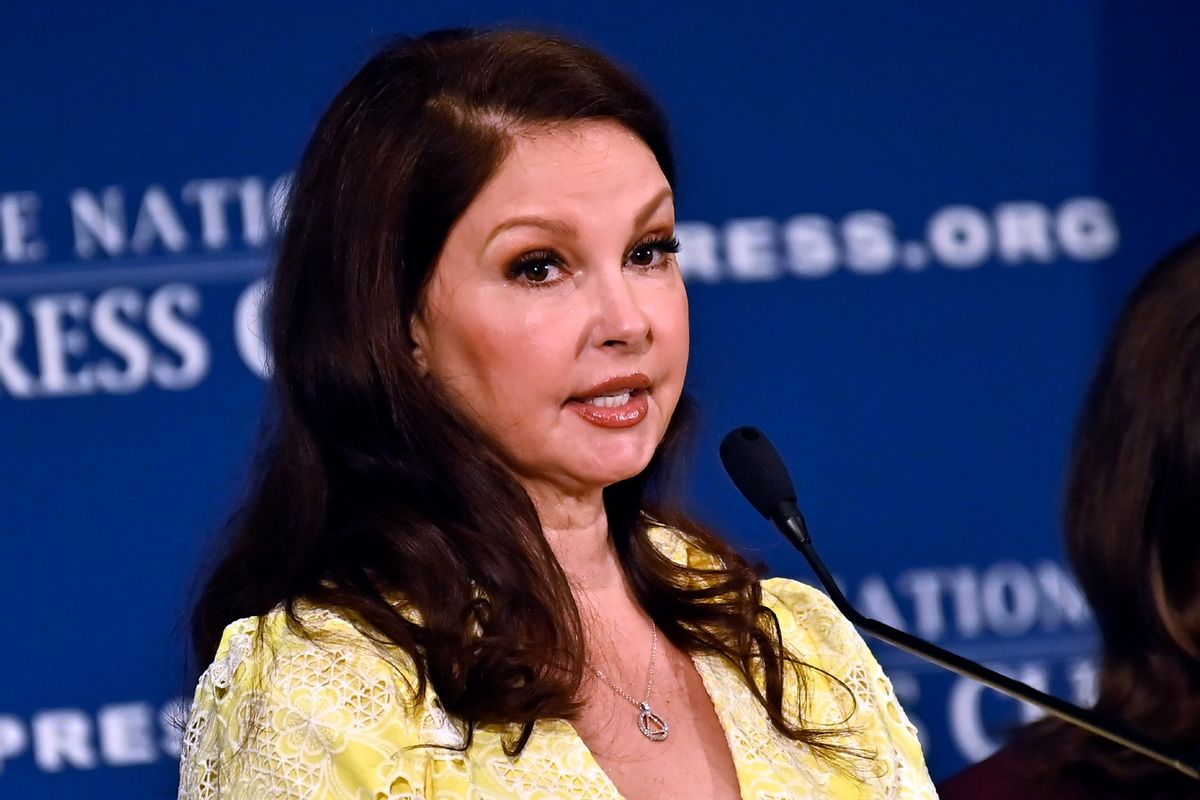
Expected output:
{"points": [[1133, 536]]}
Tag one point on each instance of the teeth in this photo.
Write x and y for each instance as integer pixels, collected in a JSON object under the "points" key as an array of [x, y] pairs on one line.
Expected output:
{"points": [[610, 400]]}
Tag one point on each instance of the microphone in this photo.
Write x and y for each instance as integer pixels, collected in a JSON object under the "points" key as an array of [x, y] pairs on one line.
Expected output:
{"points": [[759, 473]]}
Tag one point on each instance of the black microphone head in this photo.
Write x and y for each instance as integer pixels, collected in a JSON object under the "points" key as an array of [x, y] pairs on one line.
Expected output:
{"points": [[757, 470]]}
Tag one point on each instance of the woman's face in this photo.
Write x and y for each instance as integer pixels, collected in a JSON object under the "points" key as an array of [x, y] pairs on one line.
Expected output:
{"points": [[556, 316]]}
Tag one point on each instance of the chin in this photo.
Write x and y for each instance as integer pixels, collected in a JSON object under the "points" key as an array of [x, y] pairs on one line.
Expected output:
{"points": [[619, 467]]}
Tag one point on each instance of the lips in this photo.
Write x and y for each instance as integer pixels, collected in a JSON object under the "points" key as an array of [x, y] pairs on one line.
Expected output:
{"points": [[618, 402]]}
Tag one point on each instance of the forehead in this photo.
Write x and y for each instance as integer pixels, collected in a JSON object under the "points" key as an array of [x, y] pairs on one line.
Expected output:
{"points": [[561, 167]]}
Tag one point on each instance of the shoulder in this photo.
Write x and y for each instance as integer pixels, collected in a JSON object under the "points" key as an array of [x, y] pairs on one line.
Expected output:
{"points": [[1006, 775], [844, 686], [275, 653], [795, 598], [809, 620], [823, 640], [833, 654], [284, 709]]}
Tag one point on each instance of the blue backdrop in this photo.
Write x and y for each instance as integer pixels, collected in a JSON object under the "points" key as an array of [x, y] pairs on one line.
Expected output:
{"points": [[905, 231]]}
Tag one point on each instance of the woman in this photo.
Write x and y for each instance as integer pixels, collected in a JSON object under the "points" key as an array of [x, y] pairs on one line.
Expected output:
{"points": [[1133, 535], [456, 576]]}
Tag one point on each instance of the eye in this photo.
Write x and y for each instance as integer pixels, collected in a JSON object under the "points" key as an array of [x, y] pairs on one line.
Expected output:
{"points": [[652, 253], [539, 268]]}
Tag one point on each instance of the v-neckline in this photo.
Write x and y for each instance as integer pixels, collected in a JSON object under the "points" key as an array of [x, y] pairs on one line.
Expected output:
{"points": [[707, 670]]}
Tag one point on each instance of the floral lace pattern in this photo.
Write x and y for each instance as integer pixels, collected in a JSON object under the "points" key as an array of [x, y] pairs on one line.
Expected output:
{"points": [[277, 715]]}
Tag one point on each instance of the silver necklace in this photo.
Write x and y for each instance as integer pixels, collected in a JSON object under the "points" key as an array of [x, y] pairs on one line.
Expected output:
{"points": [[652, 726]]}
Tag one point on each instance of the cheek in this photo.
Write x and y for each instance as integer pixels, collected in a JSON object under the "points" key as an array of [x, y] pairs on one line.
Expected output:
{"points": [[496, 363], [674, 328]]}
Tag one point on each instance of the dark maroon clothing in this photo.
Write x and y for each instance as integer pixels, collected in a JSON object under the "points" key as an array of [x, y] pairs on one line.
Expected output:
{"points": [[1003, 777], [1007, 776]]}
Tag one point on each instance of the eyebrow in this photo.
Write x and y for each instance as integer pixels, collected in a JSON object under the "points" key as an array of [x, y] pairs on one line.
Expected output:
{"points": [[567, 229]]}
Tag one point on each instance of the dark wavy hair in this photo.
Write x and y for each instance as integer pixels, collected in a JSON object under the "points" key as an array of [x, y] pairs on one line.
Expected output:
{"points": [[1133, 535], [371, 486]]}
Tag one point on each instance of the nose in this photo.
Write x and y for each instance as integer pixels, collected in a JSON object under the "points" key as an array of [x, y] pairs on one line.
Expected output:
{"points": [[619, 318]]}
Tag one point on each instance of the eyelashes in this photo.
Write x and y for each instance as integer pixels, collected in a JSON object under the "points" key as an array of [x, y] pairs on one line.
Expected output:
{"points": [[539, 267], [535, 266], [664, 245]]}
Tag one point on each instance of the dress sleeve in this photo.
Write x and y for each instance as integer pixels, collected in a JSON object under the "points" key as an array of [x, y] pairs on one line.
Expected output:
{"points": [[279, 715], [819, 635]]}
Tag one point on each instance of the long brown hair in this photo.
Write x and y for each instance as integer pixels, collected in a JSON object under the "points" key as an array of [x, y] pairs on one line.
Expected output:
{"points": [[1133, 534], [370, 484]]}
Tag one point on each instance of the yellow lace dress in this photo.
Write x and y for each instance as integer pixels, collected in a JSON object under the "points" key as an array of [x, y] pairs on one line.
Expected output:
{"points": [[279, 716]]}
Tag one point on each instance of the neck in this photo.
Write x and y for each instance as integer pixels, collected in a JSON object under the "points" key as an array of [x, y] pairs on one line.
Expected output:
{"points": [[576, 527]]}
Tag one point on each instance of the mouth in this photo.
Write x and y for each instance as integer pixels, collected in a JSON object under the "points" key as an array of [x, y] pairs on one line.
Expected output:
{"points": [[612, 400], [619, 402]]}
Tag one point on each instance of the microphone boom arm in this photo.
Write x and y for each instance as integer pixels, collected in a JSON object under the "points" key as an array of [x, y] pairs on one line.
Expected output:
{"points": [[791, 523]]}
